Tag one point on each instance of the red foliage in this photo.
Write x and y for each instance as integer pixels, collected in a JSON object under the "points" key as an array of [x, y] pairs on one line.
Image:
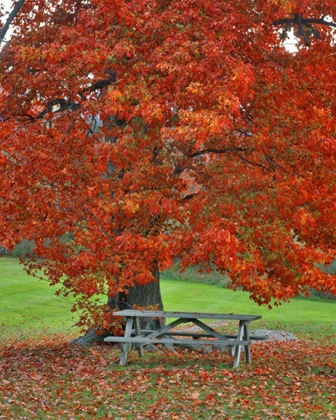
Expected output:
{"points": [[200, 91]]}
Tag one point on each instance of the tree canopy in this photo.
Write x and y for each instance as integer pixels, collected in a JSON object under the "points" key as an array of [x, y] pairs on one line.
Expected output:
{"points": [[135, 133]]}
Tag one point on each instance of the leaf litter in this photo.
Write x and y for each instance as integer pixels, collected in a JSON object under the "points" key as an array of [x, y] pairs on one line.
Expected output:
{"points": [[49, 378]]}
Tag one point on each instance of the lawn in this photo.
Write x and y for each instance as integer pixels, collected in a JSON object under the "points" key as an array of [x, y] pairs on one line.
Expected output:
{"points": [[43, 377], [28, 304]]}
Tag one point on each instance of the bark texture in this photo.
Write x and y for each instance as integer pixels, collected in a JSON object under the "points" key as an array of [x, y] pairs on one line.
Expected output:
{"points": [[138, 296]]}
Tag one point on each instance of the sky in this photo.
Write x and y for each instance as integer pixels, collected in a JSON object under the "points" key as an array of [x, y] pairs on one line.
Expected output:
{"points": [[6, 3]]}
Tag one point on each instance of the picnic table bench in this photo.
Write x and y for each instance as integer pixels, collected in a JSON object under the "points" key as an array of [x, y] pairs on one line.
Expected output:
{"points": [[135, 337]]}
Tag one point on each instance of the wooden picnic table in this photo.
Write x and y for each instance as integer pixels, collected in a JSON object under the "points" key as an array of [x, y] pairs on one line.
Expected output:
{"points": [[135, 337]]}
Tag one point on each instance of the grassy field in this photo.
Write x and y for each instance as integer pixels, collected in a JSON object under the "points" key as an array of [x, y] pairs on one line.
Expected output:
{"points": [[42, 376], [28, 304]]}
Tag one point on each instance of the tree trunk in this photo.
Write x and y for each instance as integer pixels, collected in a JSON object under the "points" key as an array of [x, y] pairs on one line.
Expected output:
{"points": [[138, 296], [143, 297]]}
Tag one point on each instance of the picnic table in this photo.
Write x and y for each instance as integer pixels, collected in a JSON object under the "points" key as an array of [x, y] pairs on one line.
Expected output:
{"points": [[135, 337]]}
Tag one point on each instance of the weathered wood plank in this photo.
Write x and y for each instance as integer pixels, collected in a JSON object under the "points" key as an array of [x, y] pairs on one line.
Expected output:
{"points": [[145, 341], [186, 315], [138, 333], [198, 335]]}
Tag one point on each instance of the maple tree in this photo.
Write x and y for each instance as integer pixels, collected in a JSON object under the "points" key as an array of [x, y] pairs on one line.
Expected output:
{"points": [[136, 133]]}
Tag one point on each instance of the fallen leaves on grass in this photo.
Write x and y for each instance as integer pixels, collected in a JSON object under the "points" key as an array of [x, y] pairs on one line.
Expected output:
{"points": [[51, 379]]}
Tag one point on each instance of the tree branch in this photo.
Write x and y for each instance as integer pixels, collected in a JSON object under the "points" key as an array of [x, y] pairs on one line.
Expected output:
{"points": [[243, 132], [305, 22], [319, 22], [259, 165], [58, 105], [61, 104], [220, 151], [10, 18], [98, 221], [301, 22], [285, 21]]}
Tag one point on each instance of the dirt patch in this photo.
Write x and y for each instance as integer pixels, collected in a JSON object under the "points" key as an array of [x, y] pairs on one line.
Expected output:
{"points": [[274, 335], [271, 335]]}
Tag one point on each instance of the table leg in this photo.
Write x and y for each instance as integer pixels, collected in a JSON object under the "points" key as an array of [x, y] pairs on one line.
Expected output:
{"points": [[137, 329], [238, 347], [247, 347], [126, 347]]}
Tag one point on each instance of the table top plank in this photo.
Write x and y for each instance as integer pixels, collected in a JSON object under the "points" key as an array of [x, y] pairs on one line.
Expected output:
{"points": [[187, 315]]}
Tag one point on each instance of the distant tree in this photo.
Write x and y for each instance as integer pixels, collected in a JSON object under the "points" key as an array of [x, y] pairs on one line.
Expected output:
{"points": [[215, 145], [23, 249], [3, 250]]}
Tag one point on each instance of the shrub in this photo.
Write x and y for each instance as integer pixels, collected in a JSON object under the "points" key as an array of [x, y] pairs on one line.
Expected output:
{"points": [[23, 248]]}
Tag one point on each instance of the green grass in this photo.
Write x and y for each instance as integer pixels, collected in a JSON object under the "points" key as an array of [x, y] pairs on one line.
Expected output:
{"points": [[29, 304], [299, 315]]}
